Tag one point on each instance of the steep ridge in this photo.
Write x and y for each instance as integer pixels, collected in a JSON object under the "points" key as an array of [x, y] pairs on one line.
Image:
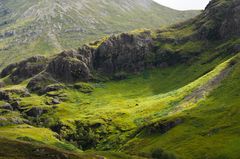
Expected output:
{"points": [[221, 20], [169, 93], [41, 27]]}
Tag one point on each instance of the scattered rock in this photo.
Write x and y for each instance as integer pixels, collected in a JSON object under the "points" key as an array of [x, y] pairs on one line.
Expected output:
{"points": [[16, 105], [7, 106], [83, 87], [9, 33], [36, 112], [3, 121], [54, 87], [63, 98], [40, 82], [4, 95], [56, 101], [27, 94], [16, 120], [21, 92]]}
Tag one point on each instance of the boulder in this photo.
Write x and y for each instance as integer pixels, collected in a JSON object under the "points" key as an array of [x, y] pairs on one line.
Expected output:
{"points": [[56, 101], [39, 83], [21, 92], [69, 67], [53, 87], [36, 112], [4, 95], [83, 87], [16, 105], [7, 106]]}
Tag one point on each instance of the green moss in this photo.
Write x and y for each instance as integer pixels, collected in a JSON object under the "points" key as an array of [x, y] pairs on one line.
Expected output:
{"points": [[83, 87]]}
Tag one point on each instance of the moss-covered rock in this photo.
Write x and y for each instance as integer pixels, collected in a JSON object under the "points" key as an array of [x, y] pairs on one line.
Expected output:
{"points": [[25, 69], [84, 87]]}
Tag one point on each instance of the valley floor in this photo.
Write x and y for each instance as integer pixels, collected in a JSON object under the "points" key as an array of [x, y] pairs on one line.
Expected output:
{"points": [[181, 110]]}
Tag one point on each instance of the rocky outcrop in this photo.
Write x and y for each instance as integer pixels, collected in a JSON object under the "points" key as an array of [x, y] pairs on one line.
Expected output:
{"points": [[8, 70], [40, 82], [4, 95], [70, 66], [25, 69], [6, 106], [51, 88], [162, 126], [130, 53], [126, 52], [114, 57], [36, 112], [220, 20], [119, 55]]}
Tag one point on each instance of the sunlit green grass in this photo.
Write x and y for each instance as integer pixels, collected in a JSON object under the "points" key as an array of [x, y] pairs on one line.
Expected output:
{"points": [[210, 129]]}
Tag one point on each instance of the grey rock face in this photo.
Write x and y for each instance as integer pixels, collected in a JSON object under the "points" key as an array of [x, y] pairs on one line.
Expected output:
{"points": [[69, 67], [220, 20], [125, 52], [115, 57], [8, 70], [40, 82], [16, 105], [25, 69], [230, 25]]}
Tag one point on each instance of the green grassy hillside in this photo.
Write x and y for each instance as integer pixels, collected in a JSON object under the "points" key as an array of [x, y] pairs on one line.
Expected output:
{"points": [[125, 115], [183, 105]]}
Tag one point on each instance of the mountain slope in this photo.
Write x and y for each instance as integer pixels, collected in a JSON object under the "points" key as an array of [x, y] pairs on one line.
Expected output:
{"points": [[168, 93], [40, 27]]}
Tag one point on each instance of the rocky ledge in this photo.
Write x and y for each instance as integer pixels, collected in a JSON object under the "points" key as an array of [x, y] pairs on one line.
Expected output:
{"points": [[114, 57]]}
